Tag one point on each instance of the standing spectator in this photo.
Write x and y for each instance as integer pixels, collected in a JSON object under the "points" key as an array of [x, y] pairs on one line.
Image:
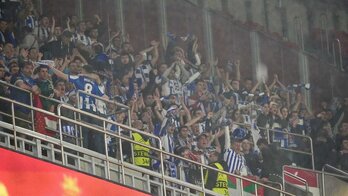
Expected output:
{"points": [[187, 171], [284, 118], [183, 137], [324, 150], [34, 55], [213, 180], [251, 158], [43, 31], [202, 149], [168, 143], [91, 139], [80, 38], [201, 96], [4, 106], [272, 160], [126, 47], [46, 90], [122, 65], [24, 81], [93, 34], [232, 154], [59, 49], [56, 31], [263, 119], [343, 155], [29, 39], [114, 47], [8, 53], [13, 68], [45, 85], [6, 36], [141, 153], [170, 82], [143, 66], [28, 15], [343, 133]]}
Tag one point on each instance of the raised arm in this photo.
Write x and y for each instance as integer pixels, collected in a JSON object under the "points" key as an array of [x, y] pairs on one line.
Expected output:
{"points": [[155, 54], [185, 75], [227, 138], [167, 71], [193, 121], [271, 86], [68, 24], [60, 74], [92, 76], [76, 53], [255, 87], [53, 26], [217, 136], [296, 107], [237, 65]]}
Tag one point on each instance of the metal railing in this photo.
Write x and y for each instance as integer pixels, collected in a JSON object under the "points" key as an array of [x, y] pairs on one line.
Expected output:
{"points": [[311, 153], [285, 173], [120, 163], [334, 169], [26, 92], [298, 30], [321, 174], [284, 148], [79, 92], [324, 173], [103, 102], [57, 102], [338, 65]]}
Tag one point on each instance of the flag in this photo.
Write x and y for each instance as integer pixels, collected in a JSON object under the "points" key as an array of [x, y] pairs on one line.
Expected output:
{"points": [[42, 120], [248, 187], [309, 176]]}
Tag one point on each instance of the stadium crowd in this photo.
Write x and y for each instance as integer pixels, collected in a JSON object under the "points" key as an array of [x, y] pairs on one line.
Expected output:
{"points": [[204, 111]]}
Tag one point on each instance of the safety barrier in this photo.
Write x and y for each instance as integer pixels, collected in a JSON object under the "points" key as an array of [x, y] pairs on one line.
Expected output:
{"points": [[64, 152], [289, 144], [313, 181], [327, 166], [338, 65]]}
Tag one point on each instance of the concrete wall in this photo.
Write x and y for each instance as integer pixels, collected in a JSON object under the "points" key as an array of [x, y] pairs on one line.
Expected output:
{"points": [[274, 17], [214, 4], [237, 9], [258, 12], [295, 10], [268, 12], [342, 15], [321, 12]]}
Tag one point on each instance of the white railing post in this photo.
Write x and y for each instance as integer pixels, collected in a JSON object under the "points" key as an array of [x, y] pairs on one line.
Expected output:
{"points": [[14, 125], [60, 133], [107, 163]]}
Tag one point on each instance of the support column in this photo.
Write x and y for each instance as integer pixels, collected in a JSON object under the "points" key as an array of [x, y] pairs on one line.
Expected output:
{"points": [[266, 12], [120, 16], [39, 5], [255, 53], [79, 9], [304, 77], [208, 36], [163, 22]]}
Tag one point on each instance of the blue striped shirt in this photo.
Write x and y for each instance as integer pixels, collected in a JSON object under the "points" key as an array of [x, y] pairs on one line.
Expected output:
{"points": [[235, 162]]}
